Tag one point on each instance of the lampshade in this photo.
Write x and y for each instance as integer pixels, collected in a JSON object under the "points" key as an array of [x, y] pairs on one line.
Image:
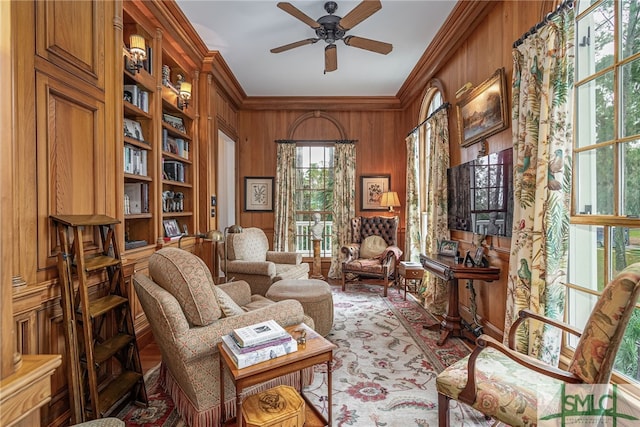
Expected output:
{"points": [[389, 199], [215, 235], [185, 90], [137, 46]]}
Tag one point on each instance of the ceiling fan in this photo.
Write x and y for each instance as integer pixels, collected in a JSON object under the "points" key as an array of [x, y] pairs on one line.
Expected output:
{"points": [[332, 28]]}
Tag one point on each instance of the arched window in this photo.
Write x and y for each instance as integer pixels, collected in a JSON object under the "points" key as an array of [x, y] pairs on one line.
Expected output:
{"points": [[431, 101]]}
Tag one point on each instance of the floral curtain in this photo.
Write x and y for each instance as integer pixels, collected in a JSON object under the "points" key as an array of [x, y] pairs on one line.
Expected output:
{"points": [[344, 197], [412, 230], [284, 210], [434, 290], [542, 146]]}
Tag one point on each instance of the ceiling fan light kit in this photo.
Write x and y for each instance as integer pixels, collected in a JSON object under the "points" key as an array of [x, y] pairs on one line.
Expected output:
{"points": [[332, 28]]}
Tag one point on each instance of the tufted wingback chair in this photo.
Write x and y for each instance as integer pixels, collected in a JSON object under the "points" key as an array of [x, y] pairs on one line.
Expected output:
{"points": [[381, 266], [250, 259], [507, 385], [188, 315]]}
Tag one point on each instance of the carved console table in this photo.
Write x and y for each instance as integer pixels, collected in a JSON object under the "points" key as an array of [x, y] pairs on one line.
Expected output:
{"points": [[445, 268]]}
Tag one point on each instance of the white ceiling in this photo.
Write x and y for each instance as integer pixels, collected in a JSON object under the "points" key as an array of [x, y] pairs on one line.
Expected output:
{"points": [[244, 31]]}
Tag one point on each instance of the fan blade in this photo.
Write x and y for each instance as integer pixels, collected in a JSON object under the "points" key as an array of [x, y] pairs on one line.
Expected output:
{"points": [[368, 44], [293, 45], [297, 13], [359, 13], [330, 58]]}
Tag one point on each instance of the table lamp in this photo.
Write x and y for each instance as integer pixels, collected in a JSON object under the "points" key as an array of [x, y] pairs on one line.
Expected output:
{"points": [[390, 199]]}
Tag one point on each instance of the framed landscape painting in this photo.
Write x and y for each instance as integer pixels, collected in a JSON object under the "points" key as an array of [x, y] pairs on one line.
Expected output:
{"points": [[371, 189], [258, 194], [483, 112]]}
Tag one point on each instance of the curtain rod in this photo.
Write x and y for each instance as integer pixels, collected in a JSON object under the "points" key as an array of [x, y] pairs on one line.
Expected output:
{"points": [[441, 107], [316, 141], [568, 4]]}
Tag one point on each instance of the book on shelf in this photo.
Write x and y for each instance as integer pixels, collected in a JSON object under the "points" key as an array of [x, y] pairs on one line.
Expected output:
{"points": [[138, 194], [258, 333], [135, 160], [242, 360], [173, 170]]}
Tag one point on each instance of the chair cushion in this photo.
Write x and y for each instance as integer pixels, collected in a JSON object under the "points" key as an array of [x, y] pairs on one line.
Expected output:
{"points": [[188, 279], [226, 303], [506, 390], [372, 247], [371, 266]]}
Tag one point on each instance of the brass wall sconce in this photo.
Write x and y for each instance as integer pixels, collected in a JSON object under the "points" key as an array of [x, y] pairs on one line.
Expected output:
{"points": [[184, 92], [136, 53]]}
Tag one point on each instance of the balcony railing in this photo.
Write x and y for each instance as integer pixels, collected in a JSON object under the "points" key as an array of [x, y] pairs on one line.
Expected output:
{"points": [[304, 245]]}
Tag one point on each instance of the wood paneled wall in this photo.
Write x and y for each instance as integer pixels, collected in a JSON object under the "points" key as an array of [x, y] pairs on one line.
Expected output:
{"points": [[487, 48], [65, 104], [379, 148]]}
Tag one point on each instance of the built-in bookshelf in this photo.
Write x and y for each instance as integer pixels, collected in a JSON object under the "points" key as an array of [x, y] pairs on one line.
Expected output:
{"points": [[178, 198], [158, 143], [139, 145]]}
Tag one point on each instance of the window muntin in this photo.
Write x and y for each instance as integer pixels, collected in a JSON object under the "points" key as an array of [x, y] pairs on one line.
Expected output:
{"points": [[595, 40], [629, 92], [594, 102], [314, 193]]}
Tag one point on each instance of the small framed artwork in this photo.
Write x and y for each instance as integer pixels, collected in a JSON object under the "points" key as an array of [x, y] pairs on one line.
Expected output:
{"points": [[448, 248], [483, 112], [258, 194], [477, 258], [171, 228], [371, 189], [133, 129]]}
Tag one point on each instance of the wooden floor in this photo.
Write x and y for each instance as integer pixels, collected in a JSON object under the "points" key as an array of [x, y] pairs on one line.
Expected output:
{"points": [[150, 356]]}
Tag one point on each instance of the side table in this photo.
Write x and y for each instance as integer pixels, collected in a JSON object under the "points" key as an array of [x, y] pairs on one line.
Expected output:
{"points": [[410, 273], [316, 350]]}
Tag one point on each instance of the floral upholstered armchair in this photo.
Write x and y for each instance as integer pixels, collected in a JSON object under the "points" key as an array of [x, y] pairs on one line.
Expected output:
{"points": [[513, 388], [250, 259], [188, 315], [372, 251]]}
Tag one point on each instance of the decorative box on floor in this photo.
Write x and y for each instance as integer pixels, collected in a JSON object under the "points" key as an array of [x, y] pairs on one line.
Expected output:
{"points": [[280, 406]]}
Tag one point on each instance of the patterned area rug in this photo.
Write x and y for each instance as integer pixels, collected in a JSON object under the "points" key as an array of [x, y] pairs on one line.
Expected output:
{"points": [[383, 373]]}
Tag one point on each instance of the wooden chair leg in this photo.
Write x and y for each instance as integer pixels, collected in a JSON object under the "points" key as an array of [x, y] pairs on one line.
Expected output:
{"points": [[386, 285], [443, 410], [344, 284]]}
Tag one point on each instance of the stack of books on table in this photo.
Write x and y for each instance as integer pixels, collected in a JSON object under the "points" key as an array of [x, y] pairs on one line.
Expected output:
{"points": [[257, 343]]}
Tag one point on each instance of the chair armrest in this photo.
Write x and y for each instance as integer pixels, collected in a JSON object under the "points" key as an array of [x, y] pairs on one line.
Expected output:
{"points": [[391, 255], [284, 257], [203, 341], [262, 268], [239, 291], [351, 251], [468, 393], [528, 314]]}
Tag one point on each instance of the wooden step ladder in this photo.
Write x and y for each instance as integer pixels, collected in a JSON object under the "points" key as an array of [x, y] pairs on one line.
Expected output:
{"points": [[103, 361]]}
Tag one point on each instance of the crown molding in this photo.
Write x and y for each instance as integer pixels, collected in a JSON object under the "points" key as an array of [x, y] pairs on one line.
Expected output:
{"points": [[463, 19]]}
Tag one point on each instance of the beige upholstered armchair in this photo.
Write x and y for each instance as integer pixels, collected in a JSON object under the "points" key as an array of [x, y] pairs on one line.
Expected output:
{"points": [[250, 259], [507, 385], [373, 251], [188, 315]]}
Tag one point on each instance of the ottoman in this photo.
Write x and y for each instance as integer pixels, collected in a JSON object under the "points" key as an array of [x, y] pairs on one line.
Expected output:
{"points": [[314, 295]]}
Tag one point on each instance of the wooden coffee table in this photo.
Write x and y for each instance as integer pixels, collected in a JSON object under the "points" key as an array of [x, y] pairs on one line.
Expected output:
{"points": [[316, 350]]}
